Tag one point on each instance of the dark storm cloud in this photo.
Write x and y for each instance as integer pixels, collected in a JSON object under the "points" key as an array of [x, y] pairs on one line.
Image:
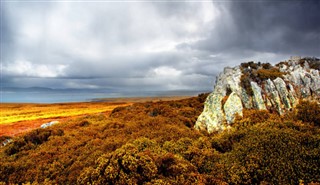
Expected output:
{"points": [[6, 37], [148, 45], [280, 27]]}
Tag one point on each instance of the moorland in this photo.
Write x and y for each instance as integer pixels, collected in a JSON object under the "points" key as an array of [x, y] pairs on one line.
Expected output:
{"points": [[17, 118], [156, 143]]}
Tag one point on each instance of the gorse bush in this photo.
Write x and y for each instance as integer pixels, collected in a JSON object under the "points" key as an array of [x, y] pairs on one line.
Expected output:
{"points": [[254, 116], [51, 156], [273, 156], [155, 143], [31, 140], [145, 162], [265, 74], [309, 112]]}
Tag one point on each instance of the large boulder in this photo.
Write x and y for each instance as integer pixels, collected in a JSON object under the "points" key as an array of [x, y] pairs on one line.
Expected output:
{"points": [[211, 118]]}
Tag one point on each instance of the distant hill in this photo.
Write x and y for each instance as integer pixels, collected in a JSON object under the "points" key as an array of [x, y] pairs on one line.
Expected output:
{"points": [[129, 93], [30, 89], [46, 89]]}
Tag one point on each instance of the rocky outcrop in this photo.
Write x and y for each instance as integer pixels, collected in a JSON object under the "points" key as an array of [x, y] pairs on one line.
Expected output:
{"points": [[227, 82], [259, 86]]}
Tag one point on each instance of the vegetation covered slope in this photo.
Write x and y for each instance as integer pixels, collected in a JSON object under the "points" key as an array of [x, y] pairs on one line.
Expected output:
{"points": [[155, 143]]}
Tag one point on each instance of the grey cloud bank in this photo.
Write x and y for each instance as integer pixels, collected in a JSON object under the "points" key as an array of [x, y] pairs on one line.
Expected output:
{"points": [[148, 45]]}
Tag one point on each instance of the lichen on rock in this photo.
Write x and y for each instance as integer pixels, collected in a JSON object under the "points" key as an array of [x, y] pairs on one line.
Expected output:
{"points": [[232, 107], [257, 97], [211, 119], [283, 92]]}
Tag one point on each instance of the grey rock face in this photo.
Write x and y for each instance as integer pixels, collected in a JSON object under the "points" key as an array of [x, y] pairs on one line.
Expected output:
{"points": [[281, 94], [212, 117], [232, 107], [257, 97], [273, 95]]}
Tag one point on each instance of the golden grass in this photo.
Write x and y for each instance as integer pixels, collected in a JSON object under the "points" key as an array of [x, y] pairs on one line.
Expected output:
{"points": [[13, 112], [17, 118], [142, 99]]}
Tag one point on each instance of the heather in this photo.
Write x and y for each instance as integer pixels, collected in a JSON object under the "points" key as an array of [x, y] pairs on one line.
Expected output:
{"points": [[156, 143]]}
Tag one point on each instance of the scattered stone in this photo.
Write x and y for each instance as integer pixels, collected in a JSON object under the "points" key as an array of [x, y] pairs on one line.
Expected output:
{"points": [[45, 125], [5, 142]]}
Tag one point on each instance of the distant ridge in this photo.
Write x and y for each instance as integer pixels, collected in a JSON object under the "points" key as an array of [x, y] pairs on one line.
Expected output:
{"points": [[46, 89]]}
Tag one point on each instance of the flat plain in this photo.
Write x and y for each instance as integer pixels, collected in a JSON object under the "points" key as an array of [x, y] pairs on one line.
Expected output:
{"points": [[17, 118]]}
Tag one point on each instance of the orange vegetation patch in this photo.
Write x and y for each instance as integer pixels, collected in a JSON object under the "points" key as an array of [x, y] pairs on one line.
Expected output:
{"points": [[142, 99], [17, 128], [12, 112], [19, 118]]}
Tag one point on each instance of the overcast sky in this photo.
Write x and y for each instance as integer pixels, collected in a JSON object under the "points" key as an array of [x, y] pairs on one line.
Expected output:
{"points": [[144, 45]]}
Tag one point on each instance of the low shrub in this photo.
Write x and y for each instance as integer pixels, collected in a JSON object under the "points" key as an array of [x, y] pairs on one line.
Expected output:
{"points": [[130, 146], [251, 65], [253, 116], [140, 162], [270, 73], [308, 111], [273, 156], [202, 97], [31, 140]]}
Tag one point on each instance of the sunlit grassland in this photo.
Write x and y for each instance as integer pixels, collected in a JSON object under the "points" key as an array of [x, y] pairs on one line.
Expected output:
{"points": [[13, 112], [16, 118]]}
